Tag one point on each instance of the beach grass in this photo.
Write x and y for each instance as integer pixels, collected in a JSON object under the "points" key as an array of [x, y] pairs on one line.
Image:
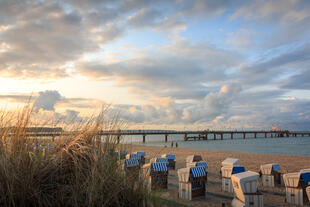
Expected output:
{"points": [[79, 170]]}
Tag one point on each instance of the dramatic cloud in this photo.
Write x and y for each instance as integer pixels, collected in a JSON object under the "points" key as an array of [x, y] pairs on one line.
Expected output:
{"points": [[198, 63], [182, 73], [47, 100]]}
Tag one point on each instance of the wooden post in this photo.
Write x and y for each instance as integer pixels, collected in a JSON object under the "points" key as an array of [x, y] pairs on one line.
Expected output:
{"points": [[185, 137], [255, 135], [206, 136], [143, 138], [166, 137], [243, 135], [265, 134], [221, 136], [231, 135], [214, 136]]}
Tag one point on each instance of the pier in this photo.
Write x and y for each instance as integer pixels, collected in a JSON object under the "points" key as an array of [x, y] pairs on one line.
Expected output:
{"points": [[188, 135], [210, 134]]}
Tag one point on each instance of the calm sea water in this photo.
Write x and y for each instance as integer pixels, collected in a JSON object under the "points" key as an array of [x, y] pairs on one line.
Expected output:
{"points": [[298, 146]]}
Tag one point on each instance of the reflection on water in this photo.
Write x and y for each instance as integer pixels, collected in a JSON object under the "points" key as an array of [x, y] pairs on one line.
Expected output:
{"points": [[298, 146]]}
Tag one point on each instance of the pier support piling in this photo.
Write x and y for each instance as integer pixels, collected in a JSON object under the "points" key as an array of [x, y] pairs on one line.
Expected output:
{"points": [[185, 137], [214, 136], [255, 135], [206, 136], [221, 136], [166, 137], [143, 138], [265, 134], [243, 135], [231, 136]]}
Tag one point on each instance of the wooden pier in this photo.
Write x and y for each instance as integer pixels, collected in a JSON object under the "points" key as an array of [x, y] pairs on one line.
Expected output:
{"points": [[207, 134], [188, 135]]}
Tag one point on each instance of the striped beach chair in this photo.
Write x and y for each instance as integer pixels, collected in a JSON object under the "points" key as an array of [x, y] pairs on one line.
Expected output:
{"points": [[171, 159], [192, 182], [156, 175]]}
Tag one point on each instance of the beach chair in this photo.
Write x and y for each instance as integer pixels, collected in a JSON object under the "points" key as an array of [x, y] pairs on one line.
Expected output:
{"points": [[159, 159], [271, 175], [156, 175], [245, 188], [122, 154], [131, 168], [203, 164], [171, 159], [142, 155], [227, 172], [229, 162], [192, 182], [295, 187], [192, 158]]}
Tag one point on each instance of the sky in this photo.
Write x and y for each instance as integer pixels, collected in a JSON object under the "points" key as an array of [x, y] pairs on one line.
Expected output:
{"points": [[164, 64]]}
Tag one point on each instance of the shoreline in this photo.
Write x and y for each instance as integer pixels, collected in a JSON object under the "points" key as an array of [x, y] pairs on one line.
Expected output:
{"points": [[193, 149], [215, 197]]}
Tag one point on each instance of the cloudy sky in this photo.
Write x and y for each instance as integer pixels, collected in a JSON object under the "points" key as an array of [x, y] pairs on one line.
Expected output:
{"points": [[181, 64]]}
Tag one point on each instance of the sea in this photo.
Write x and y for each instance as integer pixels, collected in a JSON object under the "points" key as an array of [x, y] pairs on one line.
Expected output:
{"points": [[296, 146]]}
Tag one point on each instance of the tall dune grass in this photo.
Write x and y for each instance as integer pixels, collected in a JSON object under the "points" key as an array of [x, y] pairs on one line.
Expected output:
{"points": [[80, 170]]}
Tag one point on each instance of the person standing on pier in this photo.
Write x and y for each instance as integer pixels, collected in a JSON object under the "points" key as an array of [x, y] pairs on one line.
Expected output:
{"points": [[172, 144]]}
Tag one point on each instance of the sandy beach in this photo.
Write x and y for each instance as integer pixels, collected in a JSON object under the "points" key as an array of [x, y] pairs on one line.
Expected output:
{"points": [[215, 197]]}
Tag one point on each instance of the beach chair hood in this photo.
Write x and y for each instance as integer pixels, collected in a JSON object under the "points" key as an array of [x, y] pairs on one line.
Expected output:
{"points": [[230, 162], [203, 164], [193, 158], [293, 179], [133, 156], [227, 171], [155, 167], [305, 170], [159, 167], [267, 168], [131, 162], [159, 159], [142, 154], [169, 156], [185, 173]]}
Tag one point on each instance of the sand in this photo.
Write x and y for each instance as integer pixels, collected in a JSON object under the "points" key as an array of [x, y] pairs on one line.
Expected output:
{"points": [[215, 197]]}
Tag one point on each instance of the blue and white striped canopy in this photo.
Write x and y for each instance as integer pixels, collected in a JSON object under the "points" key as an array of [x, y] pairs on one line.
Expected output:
{"points": [[170, 156], [135, 156], [202, 164], [161, 159], [159, 166], [198, 172], [141, 154], [131, 162]]}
